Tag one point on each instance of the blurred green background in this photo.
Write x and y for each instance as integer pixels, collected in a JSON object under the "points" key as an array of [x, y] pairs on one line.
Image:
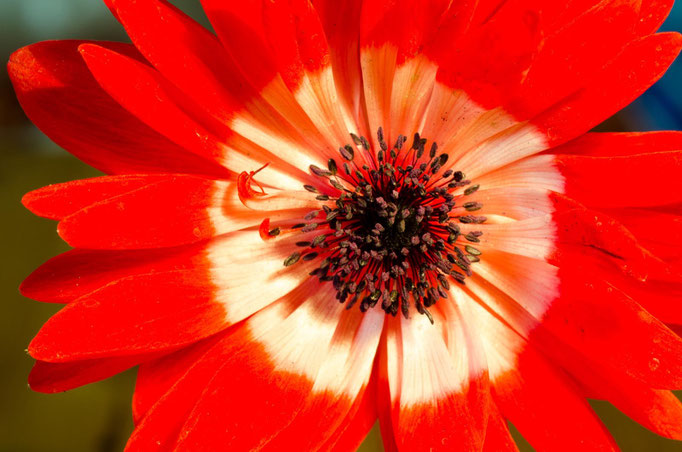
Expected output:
{"points": [[97, 417]]}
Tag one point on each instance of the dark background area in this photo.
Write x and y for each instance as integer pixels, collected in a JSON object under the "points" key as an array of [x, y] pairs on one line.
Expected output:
{"points": [[97, 417]]}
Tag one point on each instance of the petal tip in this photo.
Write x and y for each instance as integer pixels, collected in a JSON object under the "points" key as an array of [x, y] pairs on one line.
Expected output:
{"points": [[25, 288], [33, 287], [18, 65], [31, 202], [65, 233], [88, 50]]}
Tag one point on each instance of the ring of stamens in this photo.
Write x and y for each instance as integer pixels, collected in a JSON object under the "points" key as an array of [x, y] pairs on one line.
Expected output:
{"points": [[390, 235]]}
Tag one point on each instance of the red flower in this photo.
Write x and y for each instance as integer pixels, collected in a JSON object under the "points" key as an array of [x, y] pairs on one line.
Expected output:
{"points": [[546, 264]]}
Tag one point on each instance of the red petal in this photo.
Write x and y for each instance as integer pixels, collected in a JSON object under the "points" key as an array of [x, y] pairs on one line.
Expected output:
{"points": [[513, 55], [621, 144], [621, 375], [60, 96], [293, 28], [277, 377], [78, 272], [384, 400], [126, 212], [548, 408], [664, 240], [660, 411], [155, 378], [457, 20], [630, 181], [397, 81], [657, 297], [302, 55], [436, 374], [382, 50], [341, 22], [537, 172], [248, 383], [350, 360], [247, 272], [486, 9], [572, 309], [652, 15], [303, 124], [155, 312], [180, 384], [239, 23], [354, 428], [57, 377], [492, 60], [497, 436], [584, 36], [147, 95], [196, 208], [61, 200], [185, 53], [591, 316], [638, 67], [141, 218], [580, 226], [379, 19]]}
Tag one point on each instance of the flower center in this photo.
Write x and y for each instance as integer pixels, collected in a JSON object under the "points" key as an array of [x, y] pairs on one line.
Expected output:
{"points": [[390, 232]]}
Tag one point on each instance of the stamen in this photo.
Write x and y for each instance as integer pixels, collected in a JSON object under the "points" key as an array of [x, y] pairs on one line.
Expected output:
{"points": [[389, 236], [291, 260]]}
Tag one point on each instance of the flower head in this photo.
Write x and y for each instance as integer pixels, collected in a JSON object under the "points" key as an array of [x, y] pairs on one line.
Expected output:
{"points": [[335, 212]]}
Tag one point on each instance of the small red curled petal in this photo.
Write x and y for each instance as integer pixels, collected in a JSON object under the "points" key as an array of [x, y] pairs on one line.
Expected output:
{"points": [[264, 230], [244, 187]]}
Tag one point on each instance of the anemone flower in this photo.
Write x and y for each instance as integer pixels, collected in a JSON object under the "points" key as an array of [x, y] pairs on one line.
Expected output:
{"points": [[333, 212]]}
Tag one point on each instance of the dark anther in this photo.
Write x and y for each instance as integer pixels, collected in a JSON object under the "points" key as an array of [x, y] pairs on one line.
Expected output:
{"points": [[471, 190], [331, 164], [346, 154], [319, 171], [310, 256], [291, 260]]}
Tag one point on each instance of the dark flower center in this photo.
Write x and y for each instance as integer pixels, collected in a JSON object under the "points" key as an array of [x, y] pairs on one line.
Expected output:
{"points": [[390, 233]]}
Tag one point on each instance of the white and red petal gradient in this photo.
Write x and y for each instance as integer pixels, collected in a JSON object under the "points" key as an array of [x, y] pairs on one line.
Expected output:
{"points": [[207, 141]]}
